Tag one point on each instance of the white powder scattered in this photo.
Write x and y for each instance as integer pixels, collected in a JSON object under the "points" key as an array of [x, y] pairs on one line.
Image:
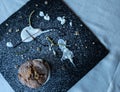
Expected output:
{"points": [[35, 32], [46, 17], [62, 20], [70, 23], [67, 54], [41, 14], [9, 44]]}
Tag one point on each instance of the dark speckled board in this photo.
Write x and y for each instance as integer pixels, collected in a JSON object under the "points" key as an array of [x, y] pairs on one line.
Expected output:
{"points": [[87, 49]]}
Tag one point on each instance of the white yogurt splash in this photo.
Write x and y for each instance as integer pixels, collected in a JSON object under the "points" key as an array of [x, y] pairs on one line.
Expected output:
{"points": [[61, 20], [9, 44], [67, 54], [70, 23], [33, 33], [46, 2], [41, 14], [47, 17]]}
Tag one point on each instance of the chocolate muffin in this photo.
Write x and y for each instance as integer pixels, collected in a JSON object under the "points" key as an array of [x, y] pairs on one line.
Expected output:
{"points": [[34, 73]]}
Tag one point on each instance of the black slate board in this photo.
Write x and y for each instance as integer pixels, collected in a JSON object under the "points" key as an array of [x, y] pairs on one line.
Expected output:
{"points": [[86, 47]]}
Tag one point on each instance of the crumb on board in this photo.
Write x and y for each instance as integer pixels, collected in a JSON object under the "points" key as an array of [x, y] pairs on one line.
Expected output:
{"points": [[76, 33], [16, 66]]}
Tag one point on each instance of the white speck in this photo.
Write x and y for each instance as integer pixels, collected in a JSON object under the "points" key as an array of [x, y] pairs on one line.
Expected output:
{"points": [[81, 25], [37, 16], [59, 18], [35, 32], [6, 24], [46, 2], [10, 30], [67, 54], [77, 33], [22, 56], [62, 20], [19, 47], [54, 52], [38, 49], [36, 5], [93, 43], [46, 17], [17, 30], [50, 48], [9, 44], [70, 23], [41, 14], [75, 44], [82, 45], [86, 47]]}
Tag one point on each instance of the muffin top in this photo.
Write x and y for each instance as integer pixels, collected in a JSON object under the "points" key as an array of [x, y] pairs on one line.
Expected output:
{"points": [[34, 73]]}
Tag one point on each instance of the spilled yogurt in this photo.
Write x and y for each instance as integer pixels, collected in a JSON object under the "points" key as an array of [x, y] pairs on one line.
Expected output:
{"points": [[67, 54], [61, 20], [70, 23], [33, 33], [47, 17], [9, 44], [41, 14]]}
